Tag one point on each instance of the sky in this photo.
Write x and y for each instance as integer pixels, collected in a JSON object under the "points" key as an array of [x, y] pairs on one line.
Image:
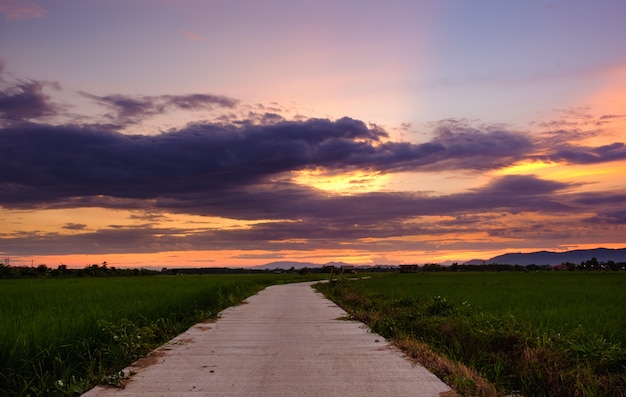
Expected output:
{"points": [[237, 132]]}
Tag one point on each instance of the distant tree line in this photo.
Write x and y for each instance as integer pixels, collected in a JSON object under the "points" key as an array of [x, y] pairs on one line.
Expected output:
{"points": [[211, 270], [103, 270], [292, 270], [592, 264], [43, 271]]}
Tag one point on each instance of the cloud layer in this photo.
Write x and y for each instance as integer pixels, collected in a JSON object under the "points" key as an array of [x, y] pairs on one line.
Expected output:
{"points": [[128, 109], [243, 170]]}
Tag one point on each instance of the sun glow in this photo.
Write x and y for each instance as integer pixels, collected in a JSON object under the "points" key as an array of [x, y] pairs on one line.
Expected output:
{"points": [[353, 182], [587, 176], [526, 167]]}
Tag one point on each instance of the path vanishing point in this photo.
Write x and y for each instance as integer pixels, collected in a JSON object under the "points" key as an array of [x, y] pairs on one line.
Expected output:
{"points": [[287, 340]]}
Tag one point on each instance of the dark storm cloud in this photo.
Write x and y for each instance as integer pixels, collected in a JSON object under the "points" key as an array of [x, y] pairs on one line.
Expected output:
{"points": [[129, 109], [44, 164]]}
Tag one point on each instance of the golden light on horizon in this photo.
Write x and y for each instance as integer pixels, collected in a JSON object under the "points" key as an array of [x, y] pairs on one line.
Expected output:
{"points": [[586, 176], [526, 167], [65, 220], [347, 183], [89, 219], [591, 176]]}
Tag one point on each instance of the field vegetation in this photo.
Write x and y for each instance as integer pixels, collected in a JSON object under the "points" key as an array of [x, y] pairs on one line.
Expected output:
{"points": [[60, 336], [502, 333]]}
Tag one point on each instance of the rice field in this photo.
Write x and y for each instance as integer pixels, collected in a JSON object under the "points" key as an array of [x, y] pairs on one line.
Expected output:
{"points": [[556, 301], [61, 336], [530, 334]]}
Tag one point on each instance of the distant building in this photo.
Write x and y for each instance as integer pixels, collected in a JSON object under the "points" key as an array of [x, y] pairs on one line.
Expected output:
{"points": [[409, 268], [348, 269]]}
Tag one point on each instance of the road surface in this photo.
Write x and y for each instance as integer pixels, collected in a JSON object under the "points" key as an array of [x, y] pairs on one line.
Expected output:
{"points": [[288, 340]]}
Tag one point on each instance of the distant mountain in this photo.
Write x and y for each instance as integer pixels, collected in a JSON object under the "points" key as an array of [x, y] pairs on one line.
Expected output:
{"points": [[475, 262], [556, 258], [286, 265], [336, 264]]}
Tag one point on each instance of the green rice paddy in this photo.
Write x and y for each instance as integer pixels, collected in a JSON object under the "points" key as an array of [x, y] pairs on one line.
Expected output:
{"points": [[61, 336], [530, 334]]}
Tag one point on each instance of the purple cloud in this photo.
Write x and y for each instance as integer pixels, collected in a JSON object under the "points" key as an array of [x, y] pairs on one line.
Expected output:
{"points": [[26, 100], [306, 219], [129, 109], [240, 169], [523, 185], [588, 155], [610, 217], [44, 163]]}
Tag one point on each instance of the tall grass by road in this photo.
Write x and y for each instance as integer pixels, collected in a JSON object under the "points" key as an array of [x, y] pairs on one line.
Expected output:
{"points": [[61, 336], [534, 334]]}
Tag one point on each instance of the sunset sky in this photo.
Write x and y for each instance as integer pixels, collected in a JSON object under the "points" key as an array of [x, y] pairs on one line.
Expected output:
{"points": [[240, 132]]}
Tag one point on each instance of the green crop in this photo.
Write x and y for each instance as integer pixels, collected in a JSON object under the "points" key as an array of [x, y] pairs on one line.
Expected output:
{"points": [[536, 334], [60, 336]]}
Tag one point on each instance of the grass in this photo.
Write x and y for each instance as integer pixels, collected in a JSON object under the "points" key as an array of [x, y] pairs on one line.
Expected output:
{"points": [[535, 334], [59, 337]]}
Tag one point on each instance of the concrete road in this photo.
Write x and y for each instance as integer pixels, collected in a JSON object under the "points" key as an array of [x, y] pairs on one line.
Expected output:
{"points": [[287, 340]]}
